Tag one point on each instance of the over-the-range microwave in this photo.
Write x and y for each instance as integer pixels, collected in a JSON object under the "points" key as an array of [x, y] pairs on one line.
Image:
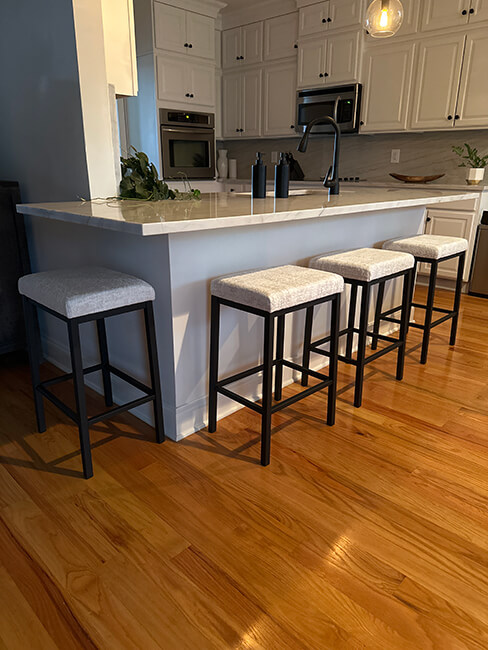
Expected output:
{"points": [[343, 103]]}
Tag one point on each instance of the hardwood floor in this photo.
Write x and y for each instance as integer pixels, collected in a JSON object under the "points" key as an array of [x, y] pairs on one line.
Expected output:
{"points": [[370, 534]]}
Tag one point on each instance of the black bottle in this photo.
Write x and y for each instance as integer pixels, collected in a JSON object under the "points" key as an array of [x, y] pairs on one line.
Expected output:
{"points": [[282, 177], [259, 178]]}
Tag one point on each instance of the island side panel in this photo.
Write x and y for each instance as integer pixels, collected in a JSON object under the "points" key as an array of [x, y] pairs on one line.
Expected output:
{"points": [[197, 257], [57, 244]]}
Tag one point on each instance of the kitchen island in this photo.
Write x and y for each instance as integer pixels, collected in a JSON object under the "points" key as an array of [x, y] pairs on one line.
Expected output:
{"points": [[179, 246]]}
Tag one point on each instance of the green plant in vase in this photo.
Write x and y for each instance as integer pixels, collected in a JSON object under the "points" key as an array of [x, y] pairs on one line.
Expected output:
{"points": [[473, 161]]}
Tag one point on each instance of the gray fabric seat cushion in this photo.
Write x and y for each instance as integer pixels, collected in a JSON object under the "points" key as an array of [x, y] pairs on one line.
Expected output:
{"points": [[365, 264], [86, 290], [277, 288], [433, 247]]}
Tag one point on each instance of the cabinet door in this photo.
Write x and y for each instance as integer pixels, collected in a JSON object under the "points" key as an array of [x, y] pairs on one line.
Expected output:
{"points": [[437, 82], [231, 105], [200, 32], [251, 103], [451, 224], [202, 83], [313, 19], [252, 43], [473, 95], [480, 9], [387, 78], [344, 13], [279, 99], [341, 60], [173, 81], [280, 36], [442, 14], [169, 28], [231, 47], [311, 63]]}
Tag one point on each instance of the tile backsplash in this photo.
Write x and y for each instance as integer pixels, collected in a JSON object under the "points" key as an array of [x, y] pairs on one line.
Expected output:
{"points": [[367, 156]]}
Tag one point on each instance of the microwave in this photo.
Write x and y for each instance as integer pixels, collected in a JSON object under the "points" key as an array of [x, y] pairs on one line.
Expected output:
{"points": [[343, 103], [187, 144]]}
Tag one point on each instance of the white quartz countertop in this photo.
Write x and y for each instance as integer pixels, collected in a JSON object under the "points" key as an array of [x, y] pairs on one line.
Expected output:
{"points": [[225, 209]]}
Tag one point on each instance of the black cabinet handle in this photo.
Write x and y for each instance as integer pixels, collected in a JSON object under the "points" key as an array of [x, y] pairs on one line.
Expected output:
{"points": [[321, 75], [190, 45], [456, 117], [429, 219], [192, 95], [187, 95], [329, 20], [237, 130], [241, 130], [326, 74], [237, 58], [324, 20], [449, 117], [295, 46], [292, 126], [361, 123], [464, 12], [186, 45], [471, 11]]}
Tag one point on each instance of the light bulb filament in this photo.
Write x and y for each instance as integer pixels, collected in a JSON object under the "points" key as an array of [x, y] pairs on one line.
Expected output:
{"points": [[384, 18]]}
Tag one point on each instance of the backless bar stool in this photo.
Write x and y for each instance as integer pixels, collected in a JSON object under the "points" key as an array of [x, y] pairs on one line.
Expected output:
{"points": [[430, 249], [77, 296], [273, 293], [363, 268]]}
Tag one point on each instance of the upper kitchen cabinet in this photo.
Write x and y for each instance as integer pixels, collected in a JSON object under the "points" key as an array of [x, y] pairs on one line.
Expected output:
{"points": [[332, 60], [437, 82], [332, 14], [478, 11], [280, 36], [472, 103], [182, 81], [279, 92], [184, 32], [120, 47], [443, 14], [387, 77], [242, 45]]}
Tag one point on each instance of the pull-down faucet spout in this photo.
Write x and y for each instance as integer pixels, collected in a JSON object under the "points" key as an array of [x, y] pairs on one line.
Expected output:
{"points": [[331, 180]]}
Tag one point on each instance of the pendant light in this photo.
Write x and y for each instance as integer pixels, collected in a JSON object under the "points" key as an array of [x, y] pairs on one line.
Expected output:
{"points": [[383, 18]]}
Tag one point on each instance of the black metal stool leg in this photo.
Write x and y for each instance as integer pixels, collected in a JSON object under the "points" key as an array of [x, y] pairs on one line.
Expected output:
{"points": [[457, 298], [306, 344], [280, 348], [363, 327], [351, 319], [214, 364], [267, 389], [77, 367], [102, 344], [334, 350], [152, 350], [33, 348], [377, 315], [404, 320], [412, 291], [428, 312]]}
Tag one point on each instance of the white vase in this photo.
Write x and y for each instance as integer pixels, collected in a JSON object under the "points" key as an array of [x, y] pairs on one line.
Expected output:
{"points": [[222, 164], [475, 175]]}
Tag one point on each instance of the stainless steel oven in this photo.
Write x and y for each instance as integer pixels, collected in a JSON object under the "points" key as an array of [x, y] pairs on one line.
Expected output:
{"points": [[343, 103], [187, 144]]}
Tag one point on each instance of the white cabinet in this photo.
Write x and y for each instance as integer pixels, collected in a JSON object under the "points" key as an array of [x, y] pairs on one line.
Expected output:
{"points": [[183, 32], [279, 94], [387, 76], [242, 45], [332, 60], [181, 81], [119, 44], [480, 11], [472, 103], [451, 223], [332, 14], [280, 36], [241, 95], [440, 14], [437, 81]]}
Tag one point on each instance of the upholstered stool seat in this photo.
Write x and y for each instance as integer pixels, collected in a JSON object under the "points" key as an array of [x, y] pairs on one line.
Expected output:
{"points": [[434, 247], [272, 294], [77, 296], [433, 250], [363, 268]]}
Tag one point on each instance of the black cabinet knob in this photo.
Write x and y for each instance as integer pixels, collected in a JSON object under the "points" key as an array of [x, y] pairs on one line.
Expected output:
{"points": [[464, 12], [329, 20], [326, 74], [295, 46], [241, 130], [190, 45], [449, 117], [456, 117], [471, 11], [187, 95], [321, 75], [292, 126], [237, 58], [324, 20], [361, 123], [192, 95], [429, 219], [186, 45], [242, 58], [237, 130]]}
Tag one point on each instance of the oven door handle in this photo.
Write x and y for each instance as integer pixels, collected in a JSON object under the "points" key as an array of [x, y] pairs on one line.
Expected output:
{"points": [[188, 129]]}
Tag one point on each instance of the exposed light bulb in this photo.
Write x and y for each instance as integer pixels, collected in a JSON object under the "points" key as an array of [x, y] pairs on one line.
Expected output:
{"points": [[383, 18]]}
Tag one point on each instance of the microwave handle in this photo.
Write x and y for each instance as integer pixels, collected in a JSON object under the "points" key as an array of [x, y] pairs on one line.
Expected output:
{"points": [[336, 106]]}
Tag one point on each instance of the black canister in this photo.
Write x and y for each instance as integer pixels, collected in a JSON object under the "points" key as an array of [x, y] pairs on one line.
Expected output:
{"points": [[259, 178], [282, 177]]}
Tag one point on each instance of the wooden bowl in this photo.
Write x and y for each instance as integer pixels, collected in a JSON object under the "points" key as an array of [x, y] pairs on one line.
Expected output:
{"points": [[417, 179]]}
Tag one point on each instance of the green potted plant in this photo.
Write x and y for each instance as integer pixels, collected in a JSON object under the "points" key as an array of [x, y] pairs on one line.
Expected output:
{"points": [[476, 164]]}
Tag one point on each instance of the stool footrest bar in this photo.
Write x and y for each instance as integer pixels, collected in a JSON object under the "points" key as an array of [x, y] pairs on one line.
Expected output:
{"points": [[57, 402], [130, 380], [239, 375], [301, 395], [238, 398], [120, 409], [69, 375]]}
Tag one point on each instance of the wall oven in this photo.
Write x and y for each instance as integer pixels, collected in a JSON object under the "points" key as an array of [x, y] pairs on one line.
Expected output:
{"points": [[343, 103], [187, 144]]}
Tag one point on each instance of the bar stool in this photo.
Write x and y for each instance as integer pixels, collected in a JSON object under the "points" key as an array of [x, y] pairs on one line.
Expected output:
{"points": [[77, 296], [273, 293], [431, 249], [364, 268]]}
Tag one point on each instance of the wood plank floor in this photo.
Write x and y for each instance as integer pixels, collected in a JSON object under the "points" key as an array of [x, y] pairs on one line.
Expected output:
{"points": [[370, 534]]}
